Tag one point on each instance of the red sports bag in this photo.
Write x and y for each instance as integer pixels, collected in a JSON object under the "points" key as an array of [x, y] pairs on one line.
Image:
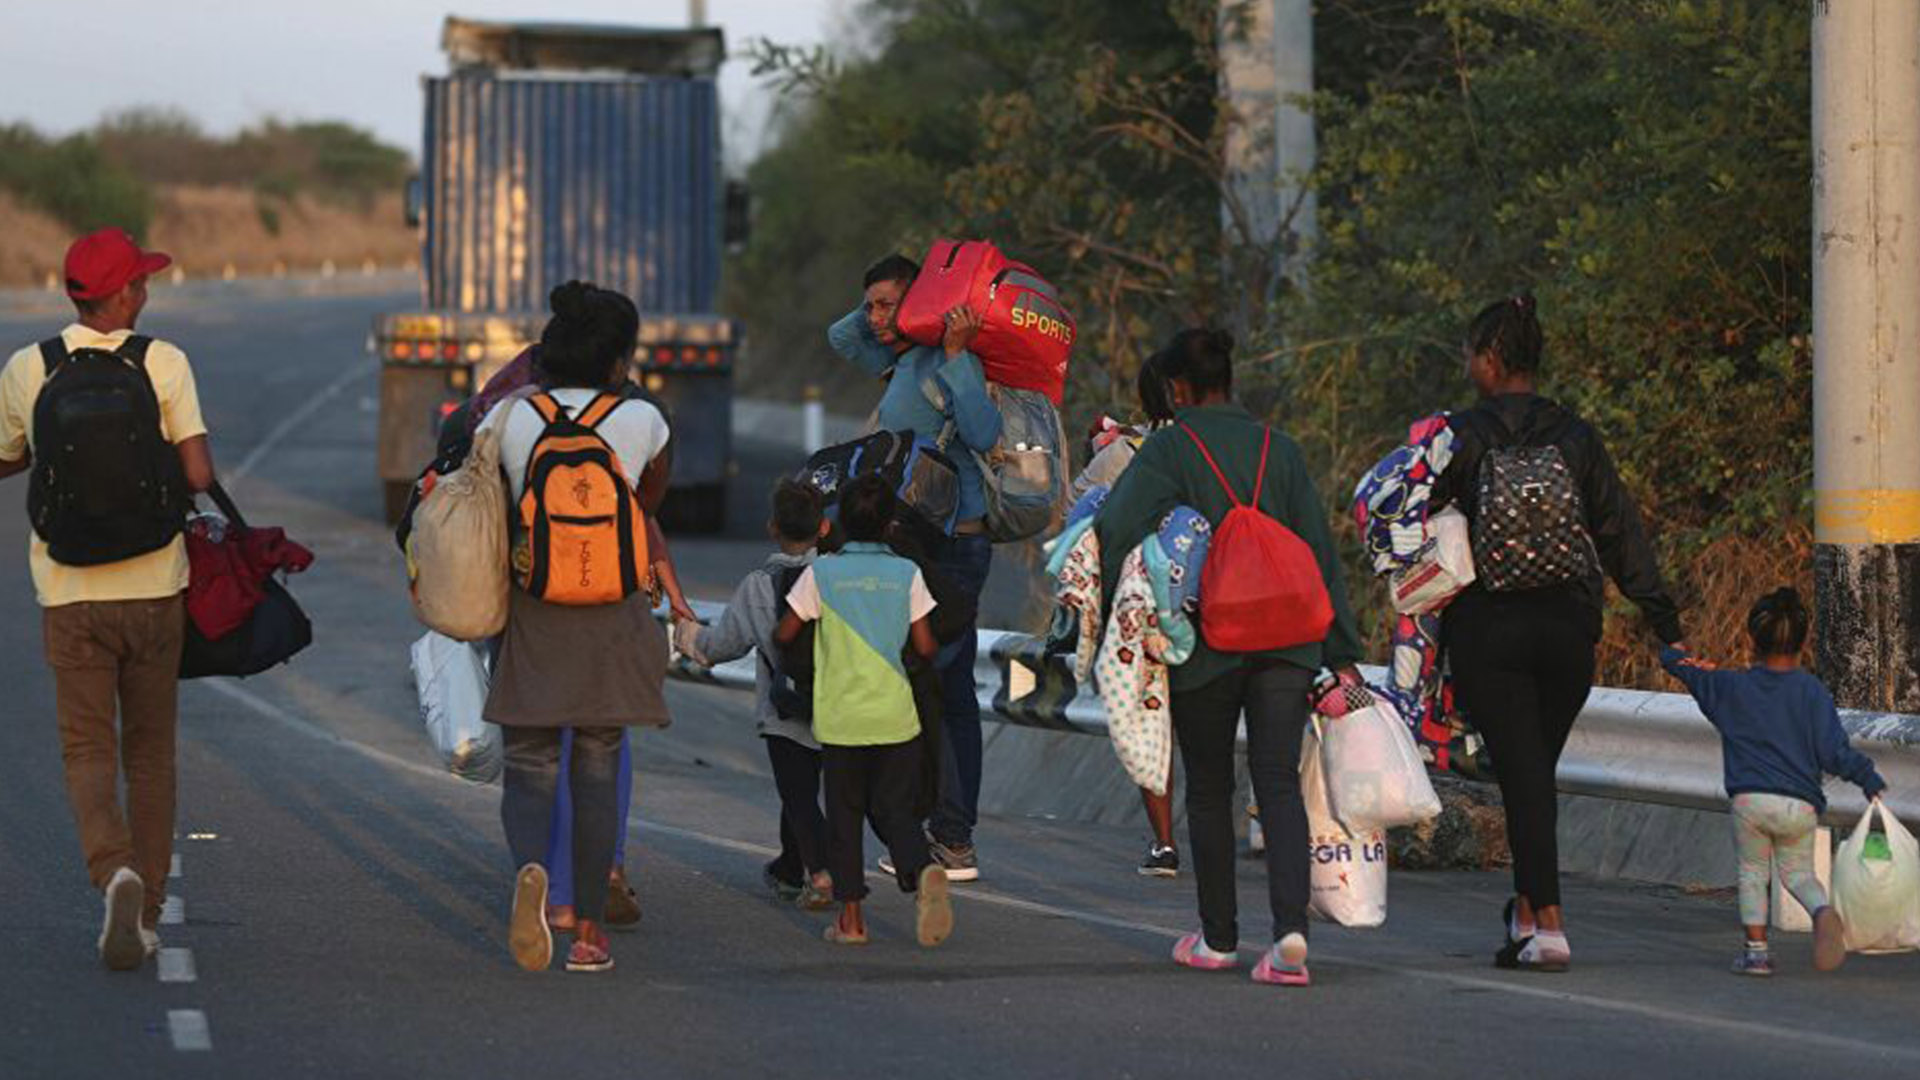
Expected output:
{"points": [[1025, 335], [1261, 587]]}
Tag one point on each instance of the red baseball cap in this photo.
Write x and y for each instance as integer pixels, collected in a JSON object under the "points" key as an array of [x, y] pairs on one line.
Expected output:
{"points": [[102, 263]]}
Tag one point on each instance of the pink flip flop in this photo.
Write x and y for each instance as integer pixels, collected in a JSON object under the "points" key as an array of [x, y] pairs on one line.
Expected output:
{"points": [[1192, 951], [1285, 964]]}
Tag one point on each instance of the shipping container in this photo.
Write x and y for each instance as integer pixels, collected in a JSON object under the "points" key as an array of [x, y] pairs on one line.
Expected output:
{"points": [[552, 152]]}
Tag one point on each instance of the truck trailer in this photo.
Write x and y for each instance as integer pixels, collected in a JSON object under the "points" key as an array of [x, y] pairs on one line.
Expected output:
{"points": [[552, 152]]}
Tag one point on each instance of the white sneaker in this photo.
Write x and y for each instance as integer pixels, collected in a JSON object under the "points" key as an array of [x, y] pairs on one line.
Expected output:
{"points": [[150, 941], [121, 946]]}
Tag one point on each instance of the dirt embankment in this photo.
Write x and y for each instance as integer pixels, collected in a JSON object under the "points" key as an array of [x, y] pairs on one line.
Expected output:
{"points": [[208, 229]]}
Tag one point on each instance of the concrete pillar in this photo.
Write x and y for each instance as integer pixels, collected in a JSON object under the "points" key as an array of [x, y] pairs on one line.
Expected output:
{"points": [[1866, 349], [1266, 59]]}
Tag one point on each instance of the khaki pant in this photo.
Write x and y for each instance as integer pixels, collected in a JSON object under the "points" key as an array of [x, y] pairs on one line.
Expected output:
{"points": [[119, 659]]}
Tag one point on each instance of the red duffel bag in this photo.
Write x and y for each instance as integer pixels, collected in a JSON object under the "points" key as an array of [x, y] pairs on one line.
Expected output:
{"points": [[1026, 335]]}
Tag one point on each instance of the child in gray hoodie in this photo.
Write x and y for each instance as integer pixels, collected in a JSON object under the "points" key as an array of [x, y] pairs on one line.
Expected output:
{"points": [[785, 717]]}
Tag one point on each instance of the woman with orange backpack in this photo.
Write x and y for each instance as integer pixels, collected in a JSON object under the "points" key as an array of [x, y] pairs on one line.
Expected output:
{"points": [[1273, 612], [585, 471]]}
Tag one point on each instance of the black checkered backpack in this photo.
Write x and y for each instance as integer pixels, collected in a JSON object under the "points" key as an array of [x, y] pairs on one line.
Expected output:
{"points": [[1530, 530]]}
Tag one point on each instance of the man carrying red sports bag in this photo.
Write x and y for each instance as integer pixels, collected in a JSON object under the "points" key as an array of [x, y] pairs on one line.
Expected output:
{"points": [[1273, 613]]}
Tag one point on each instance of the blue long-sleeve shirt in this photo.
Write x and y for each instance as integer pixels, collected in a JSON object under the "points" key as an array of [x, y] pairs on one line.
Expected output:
{"points": [[906, 406], [1779, 730]]}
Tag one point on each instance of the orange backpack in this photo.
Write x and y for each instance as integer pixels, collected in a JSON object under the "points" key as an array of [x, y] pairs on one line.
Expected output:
{"points": [[585, 535]]}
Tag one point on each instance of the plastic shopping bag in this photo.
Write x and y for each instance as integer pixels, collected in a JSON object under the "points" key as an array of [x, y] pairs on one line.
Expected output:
{"points": [[1878, 894], [1442, 569], [1348, 873], [1376, 778], [452, 679]]}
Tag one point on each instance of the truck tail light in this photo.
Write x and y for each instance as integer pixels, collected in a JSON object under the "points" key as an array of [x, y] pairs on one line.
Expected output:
{"points": [[689, 355], [713, 357], [400, 350], [663, 355], [450, 350]]}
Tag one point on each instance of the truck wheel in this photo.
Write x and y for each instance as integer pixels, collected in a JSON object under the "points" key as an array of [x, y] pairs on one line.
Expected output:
{"points": [[397, 492], [701, 509]]}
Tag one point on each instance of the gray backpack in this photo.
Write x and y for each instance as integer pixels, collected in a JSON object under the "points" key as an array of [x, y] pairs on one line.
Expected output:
{"points": [[1025, 474]]}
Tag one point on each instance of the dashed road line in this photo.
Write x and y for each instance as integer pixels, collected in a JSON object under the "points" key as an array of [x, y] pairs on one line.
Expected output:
{"points": [[176, 966], [189, 1030], [173, 870], [173, 911]]}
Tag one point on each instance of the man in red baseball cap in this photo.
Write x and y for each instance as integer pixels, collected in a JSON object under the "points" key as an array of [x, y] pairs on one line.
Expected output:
{"points": [[100, 264], [114, 473]]}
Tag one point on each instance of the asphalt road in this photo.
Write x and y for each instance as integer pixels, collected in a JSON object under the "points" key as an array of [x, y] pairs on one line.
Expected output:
{"points": [[344, 900]]}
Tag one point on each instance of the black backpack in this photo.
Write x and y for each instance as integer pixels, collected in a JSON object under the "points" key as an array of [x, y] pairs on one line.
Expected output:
{"points": [[106, 484], [1530, 526]]}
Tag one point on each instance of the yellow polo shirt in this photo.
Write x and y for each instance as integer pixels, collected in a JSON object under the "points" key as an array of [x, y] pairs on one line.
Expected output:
{"points": [[151, 576]]}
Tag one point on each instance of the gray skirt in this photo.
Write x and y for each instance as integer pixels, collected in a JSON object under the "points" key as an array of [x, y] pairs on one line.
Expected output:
{"points": [[561, 666]]}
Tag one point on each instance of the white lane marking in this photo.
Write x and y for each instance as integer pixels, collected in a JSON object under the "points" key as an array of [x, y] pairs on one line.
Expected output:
{"points": [[173, 911], [176, 966], [300, 416], [173, 871], [1658, 1013], [189, 1029]]}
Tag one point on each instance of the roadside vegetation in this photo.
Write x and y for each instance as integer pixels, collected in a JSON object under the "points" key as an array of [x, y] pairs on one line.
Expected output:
{"points": [[1640, 168]]}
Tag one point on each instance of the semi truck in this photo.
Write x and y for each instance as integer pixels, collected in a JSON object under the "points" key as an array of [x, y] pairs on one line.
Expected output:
{"points": [[554, 152]]}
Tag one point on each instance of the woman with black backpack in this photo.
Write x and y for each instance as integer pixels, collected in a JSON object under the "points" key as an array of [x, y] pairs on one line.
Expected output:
{"points": [[1550, 521], [1254, 655]]}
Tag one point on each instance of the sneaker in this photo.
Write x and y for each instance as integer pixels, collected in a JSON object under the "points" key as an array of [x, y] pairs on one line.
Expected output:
{"points": [[528, 937], [1285, 964], [785, 891], [814, 898], [121, 948], [960, 861], [589, 957], [623, 905], [1753, 962], [1256, 836], [933, 908], [1162, 860], [1530, 954], [1829, 940], [150, 941], [1192, 951]]}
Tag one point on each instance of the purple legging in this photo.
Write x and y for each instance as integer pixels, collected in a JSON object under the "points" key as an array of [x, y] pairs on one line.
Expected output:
{"points": [[560, 843]]}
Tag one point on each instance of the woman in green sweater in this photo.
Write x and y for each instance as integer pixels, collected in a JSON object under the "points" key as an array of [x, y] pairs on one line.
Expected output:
{"points": [[1211, 689]]}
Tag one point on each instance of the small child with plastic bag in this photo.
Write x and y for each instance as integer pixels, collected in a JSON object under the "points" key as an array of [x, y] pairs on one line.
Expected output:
{"points": [[1779, 734]]}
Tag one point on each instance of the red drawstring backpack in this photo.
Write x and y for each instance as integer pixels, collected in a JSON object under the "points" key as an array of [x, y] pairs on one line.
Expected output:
{"points": [[1261, 587]]}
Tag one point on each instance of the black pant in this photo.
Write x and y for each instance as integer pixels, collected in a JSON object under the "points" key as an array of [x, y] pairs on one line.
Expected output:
{"points": [[803, 828], [966, 561], [1522, 668], [1205, 721], [526, 805], [877, 784]]}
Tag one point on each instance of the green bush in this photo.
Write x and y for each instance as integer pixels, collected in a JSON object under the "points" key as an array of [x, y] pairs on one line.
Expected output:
{"points": [[72, 180]]}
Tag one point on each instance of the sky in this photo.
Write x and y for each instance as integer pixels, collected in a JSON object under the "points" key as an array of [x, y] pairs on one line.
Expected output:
{"points": [[229, 63]]}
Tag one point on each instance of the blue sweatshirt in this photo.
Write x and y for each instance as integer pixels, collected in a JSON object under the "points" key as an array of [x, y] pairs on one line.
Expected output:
{"points": [[1779, 730], [906, 406]]}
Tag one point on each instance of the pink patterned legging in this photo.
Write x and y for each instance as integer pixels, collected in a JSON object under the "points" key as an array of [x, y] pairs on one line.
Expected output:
{"points": [[1774, 832]]}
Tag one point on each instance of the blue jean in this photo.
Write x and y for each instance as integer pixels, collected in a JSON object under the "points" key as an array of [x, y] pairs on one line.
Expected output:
{"points": [[964, 560], [559, 860]]}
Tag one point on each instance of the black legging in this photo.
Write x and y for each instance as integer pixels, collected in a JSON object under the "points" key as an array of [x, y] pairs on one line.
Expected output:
{"points": [[1522, 668], [1206, 719], [526, 804]]}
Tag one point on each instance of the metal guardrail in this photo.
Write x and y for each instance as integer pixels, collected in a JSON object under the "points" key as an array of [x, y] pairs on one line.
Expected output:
{"points": [[1631, 745]]}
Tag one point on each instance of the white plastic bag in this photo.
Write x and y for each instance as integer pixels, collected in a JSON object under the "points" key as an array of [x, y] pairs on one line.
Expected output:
{"points": [[1376, 778], [1443, 569], [452, 679], [1348, 873], [1879, 899]]}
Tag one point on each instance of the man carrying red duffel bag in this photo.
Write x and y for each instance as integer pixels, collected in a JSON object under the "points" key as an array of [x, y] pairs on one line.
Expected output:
{"points": [[870, 337]]}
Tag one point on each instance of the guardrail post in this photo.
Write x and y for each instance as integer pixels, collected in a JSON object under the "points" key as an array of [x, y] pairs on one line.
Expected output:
{"points": [[813, 421], [1866, 349]]}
